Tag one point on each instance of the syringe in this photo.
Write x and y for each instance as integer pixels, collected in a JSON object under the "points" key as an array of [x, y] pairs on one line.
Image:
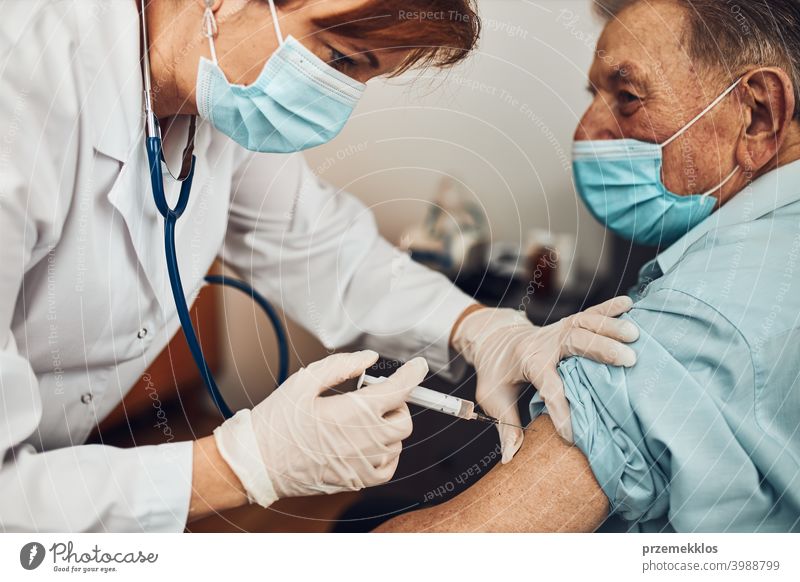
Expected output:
{"points": [[433, 400]]}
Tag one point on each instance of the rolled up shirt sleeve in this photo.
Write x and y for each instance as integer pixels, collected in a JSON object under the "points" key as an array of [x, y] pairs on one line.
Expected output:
{"points": [[674, 436], [316, 252]]}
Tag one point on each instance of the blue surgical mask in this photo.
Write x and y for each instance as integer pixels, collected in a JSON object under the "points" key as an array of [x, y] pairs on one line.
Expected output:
{"points": [[298, 101], [620, 183]]}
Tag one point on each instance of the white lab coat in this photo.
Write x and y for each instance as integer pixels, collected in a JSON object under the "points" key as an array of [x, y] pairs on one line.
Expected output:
{"points": [[84, 298]]}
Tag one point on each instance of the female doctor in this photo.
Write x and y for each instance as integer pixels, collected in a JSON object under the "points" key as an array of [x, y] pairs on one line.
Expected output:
{"points": [[85, 301]]}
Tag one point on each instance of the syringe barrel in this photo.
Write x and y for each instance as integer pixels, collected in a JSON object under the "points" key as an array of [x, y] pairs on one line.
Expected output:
{"points": [[432, 400]]}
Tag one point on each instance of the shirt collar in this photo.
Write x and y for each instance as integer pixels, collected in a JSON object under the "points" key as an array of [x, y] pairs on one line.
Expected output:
{"points": [[109, 48], [771, 191]]}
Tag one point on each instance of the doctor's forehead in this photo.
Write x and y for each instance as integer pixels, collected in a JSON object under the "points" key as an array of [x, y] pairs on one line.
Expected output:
{"points": [[643, 42]]}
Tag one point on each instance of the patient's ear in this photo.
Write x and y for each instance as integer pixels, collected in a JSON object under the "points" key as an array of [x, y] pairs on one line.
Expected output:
{"points": [[768, 102]]}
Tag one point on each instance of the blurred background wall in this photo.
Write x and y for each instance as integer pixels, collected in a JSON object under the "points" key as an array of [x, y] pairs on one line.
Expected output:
{"points": [[501, 125]]}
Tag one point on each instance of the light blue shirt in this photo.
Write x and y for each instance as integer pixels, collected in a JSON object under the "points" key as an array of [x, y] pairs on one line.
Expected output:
{"points": [[705, 430]]}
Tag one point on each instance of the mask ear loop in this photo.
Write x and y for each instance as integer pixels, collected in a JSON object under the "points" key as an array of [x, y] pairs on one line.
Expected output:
{"points": [[275, 22], [210, 29], [700, 116], [721, 184]]}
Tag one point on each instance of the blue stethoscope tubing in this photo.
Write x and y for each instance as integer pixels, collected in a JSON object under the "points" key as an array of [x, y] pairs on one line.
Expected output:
{"points": [[171, 216], [155, 157]]}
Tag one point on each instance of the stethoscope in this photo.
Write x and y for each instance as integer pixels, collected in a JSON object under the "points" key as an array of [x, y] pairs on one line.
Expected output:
{"points": [[155, 156]]}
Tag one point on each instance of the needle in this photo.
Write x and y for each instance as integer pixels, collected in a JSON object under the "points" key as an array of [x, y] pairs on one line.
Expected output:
{"points": [[491, 420]]}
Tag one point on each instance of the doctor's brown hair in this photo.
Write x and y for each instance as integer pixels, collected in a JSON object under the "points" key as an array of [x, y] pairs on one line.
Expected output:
{"points": [[438, 33]]}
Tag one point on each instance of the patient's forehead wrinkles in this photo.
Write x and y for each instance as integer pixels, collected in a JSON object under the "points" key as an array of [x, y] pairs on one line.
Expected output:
{"points": [[651, 33], [607, 73], [630, 72]]}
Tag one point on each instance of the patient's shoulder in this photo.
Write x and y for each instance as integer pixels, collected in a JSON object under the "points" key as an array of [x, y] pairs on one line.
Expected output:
{"points": [[748, 273]]}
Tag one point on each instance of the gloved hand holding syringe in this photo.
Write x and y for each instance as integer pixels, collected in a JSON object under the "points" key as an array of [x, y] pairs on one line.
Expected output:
{"points": [[437, 401]]}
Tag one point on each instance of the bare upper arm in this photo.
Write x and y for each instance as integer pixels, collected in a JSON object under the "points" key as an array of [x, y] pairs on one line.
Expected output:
{"points": [[548, 487]]}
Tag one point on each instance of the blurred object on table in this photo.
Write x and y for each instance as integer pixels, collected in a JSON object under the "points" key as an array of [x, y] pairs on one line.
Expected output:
{"points": [[454, 236]]}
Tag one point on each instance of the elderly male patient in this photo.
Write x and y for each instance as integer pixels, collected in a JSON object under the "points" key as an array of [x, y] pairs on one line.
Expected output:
{"points": [[703, 434]]}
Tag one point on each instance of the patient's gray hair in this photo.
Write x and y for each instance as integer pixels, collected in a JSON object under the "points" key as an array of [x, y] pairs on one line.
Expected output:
{"points": [[733, 36]]}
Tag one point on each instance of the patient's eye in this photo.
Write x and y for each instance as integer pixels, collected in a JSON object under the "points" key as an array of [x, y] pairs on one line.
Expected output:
{"points": [[628, 102], [628, 97]]}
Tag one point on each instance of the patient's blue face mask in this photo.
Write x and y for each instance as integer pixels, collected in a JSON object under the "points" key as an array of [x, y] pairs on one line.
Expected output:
{"points": [[620, 182], [298, 101]]}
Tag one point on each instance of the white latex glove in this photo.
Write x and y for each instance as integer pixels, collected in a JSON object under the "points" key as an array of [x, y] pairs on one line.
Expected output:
{"points": [[297, 442], [508, 351]]}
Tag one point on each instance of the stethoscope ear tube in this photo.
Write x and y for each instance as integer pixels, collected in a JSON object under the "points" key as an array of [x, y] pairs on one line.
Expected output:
{"points": [[171, 216], [186, 320], [155, 157]]}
